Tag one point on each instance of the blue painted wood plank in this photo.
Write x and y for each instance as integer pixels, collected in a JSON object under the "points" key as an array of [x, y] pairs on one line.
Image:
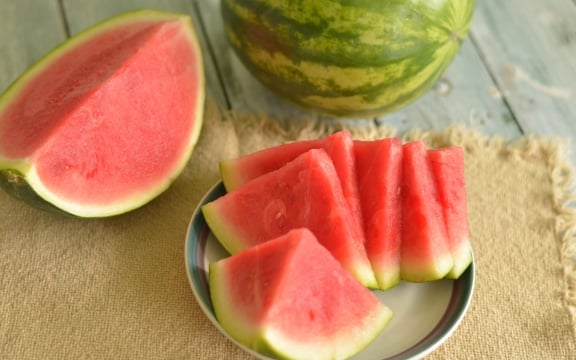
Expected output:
{"points": [[28, 29], [530, 49]]}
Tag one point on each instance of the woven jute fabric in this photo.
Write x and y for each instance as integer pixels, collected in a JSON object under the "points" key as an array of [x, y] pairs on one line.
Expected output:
{"points": [[116, 288]]}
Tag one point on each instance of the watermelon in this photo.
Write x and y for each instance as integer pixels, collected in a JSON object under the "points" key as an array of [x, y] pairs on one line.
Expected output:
{"points": [[289, 298], [448, 169], [424, 252], [379, 172], [305, 192], [107, 120], [339, 146], [347, 59]]}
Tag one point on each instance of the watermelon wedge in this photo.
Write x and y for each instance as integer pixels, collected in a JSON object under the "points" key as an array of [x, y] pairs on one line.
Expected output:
{"points": [[306, 192], [339, 146], [425, 254], [290, 299], [448, 169], [379, 172], [105, 122], [238, 171]]}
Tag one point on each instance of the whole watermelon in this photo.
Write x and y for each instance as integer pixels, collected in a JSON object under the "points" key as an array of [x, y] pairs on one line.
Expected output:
{"points": [[347, 58]]}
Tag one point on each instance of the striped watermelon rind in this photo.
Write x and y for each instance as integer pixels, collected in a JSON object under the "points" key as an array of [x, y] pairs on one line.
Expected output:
{"points": [[359, 59]]}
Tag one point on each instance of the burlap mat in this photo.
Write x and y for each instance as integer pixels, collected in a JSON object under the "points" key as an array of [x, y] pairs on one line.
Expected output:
{"points": [[117, 289]]}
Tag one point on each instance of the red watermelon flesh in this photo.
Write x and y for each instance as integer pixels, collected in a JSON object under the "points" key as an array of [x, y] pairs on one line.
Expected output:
{"points": [[306, 192], [425, 254], [289, 298], [448, 169], [339, 146], [379, 172], [106, 121]]}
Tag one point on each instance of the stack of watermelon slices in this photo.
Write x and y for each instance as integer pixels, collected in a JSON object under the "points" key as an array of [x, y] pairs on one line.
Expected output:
{"points": [[385, 210]]}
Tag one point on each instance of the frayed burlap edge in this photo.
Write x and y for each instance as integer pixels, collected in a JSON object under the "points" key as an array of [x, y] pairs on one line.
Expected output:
{"points": [[553, 151]]}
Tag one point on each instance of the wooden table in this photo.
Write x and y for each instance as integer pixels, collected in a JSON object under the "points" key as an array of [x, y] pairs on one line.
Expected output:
{"points": [[515, 74]]}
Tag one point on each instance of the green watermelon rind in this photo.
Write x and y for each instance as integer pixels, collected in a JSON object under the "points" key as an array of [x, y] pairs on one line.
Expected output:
{"points": [[13, 183], [45, 199]]}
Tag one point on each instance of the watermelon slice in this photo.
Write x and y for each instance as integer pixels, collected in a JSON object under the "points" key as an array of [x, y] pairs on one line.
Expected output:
{"points": [[448, 168], [339, 146], [424, 254], [379, 171], [289, 298], [238, 171], [305, 192], [107, 120]]}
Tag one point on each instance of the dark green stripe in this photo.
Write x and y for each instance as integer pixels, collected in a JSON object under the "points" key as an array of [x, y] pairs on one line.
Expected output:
{"points": [[303, 84], [347, 49]]}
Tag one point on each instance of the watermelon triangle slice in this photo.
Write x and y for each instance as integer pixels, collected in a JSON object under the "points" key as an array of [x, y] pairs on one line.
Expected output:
{"points": [[448, 169], [425, 254], [107, 120], [379, 172], [238, 171], [306, 192], [289, 298], [339, 146]]}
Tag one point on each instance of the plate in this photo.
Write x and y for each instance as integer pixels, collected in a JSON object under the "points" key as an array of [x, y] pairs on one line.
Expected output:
{"points": [[425, 314]]}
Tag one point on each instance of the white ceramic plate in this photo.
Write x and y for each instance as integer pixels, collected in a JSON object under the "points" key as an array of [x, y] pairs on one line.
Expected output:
{"points": [[425, 315]]}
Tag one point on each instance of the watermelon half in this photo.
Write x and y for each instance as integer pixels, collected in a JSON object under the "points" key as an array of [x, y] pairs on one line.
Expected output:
{"points": [[105, 122], [289, 298]]}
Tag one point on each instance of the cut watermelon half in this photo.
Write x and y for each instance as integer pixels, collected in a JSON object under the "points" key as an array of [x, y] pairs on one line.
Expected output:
{"points": [[448, 169], [379, 172], [107, 120], [425, 254], [306, 192], [289, 298]]}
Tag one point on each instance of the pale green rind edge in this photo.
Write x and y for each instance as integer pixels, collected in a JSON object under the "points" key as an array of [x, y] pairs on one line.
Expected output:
{"points": [[387, 278], [228, 317], [228, 172], [435, 270], [45, 199], [225, 235], [462, 259], [363, 272], [346, 345]]}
